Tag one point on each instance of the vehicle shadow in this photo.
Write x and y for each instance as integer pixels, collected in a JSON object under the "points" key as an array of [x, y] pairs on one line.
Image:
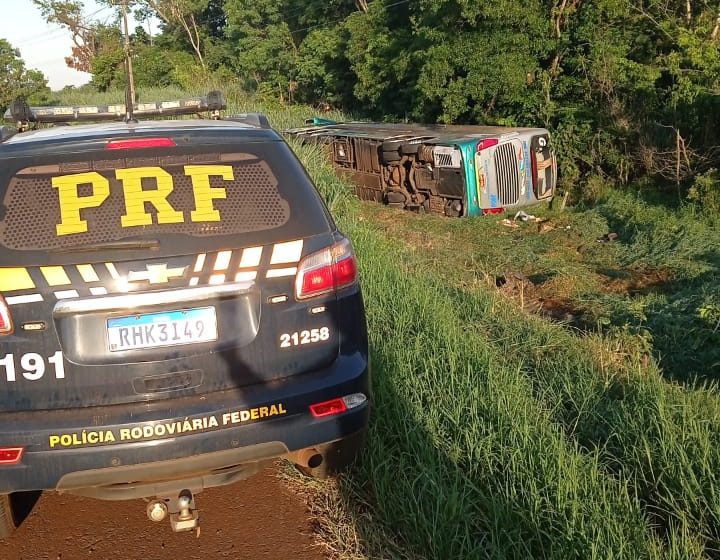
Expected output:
{"points": [[23, 503]]}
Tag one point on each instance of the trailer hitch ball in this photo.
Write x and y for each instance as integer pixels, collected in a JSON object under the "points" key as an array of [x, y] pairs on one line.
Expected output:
{"points": [[184, 506], [157, 510], [186, 518]]}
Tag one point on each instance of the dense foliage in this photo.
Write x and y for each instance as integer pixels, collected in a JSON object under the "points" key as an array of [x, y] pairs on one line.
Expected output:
{"points": [[628, 87], [17, 80]]}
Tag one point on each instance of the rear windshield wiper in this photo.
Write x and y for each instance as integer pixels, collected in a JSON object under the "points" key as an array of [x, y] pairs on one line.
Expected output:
{"points": [[128, 245]]}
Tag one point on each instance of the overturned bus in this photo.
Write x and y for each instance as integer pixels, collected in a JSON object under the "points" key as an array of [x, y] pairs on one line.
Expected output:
{"points": [[444, 169]]}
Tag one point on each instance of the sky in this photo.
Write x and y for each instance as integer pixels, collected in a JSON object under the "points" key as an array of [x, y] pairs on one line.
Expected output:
{"points": [[44, 46]]}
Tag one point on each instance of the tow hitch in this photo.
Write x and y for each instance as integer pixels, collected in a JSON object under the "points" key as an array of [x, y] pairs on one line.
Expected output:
{"points": [[181, 508]]}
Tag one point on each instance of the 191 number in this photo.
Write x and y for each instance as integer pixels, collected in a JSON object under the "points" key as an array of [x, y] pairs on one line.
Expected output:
{"points": [[32, 366], [304, 337]]}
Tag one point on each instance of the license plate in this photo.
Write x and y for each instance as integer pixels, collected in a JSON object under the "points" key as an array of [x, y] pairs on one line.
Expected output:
{"points": [[168, 328]]}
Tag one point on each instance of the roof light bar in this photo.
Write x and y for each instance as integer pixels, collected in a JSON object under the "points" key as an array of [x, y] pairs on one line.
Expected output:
{"points": [[21, 112]]}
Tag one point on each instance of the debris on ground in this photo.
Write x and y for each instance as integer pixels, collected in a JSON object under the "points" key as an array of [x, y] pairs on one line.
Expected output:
{"points": [[545, 226], [523, 217], [533, 299], [519, 287], [608, 237]]}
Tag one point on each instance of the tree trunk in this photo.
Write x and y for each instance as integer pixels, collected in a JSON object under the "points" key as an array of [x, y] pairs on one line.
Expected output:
{"points": [[174, 13], [716, 29], [194, 36]]}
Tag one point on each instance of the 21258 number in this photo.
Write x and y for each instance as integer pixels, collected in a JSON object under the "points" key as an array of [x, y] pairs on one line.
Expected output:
{"points": [[299, 338]]}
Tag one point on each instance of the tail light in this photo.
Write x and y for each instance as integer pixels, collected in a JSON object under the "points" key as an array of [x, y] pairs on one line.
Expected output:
{"points": [[10, 455], [338, 406], [138, 143], [6, 324], [328, 408], [487, 143], [326, 271]]}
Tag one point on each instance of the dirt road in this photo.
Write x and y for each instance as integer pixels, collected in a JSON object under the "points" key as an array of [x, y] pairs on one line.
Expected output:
{"points": [[254, 519]]}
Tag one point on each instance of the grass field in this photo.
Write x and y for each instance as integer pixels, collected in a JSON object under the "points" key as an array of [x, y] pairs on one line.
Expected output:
{"points": [[499, 432], [537, 393]]}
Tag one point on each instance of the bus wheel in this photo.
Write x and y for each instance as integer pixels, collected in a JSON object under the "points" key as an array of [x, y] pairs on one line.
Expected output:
{"points": [[410, 149], [390, 157], [453, 208]]}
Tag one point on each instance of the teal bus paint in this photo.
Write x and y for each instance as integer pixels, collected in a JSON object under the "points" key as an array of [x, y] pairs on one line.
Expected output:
{"points": [[446, 169], [473, 200]]}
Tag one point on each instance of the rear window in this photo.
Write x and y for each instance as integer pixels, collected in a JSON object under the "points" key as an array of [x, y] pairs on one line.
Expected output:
{"points": [[103, 199]]}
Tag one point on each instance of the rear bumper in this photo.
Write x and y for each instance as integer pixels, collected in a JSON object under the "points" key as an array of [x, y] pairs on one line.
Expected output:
{"points": [[203, 438]]}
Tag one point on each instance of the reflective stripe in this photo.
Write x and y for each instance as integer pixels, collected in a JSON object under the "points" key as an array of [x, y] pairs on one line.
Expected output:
{"points": [[55, 275], [251, 257], [199, 263], [88, 273], [65, 294], [279, 272], [30, 298], [15, 279], [245, 276], [287, 252], [223, 260]]}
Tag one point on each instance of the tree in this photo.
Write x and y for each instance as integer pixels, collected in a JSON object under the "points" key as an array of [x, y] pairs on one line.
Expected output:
{"points": [[145, 14], [107, 65], [69, 14], [185, 14], [16, 80], [263, 51], [323, 70]]}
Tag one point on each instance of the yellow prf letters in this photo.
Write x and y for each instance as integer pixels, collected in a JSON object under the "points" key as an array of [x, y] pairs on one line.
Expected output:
{"points": [[71, 202], [137, 198], [204, 193]]}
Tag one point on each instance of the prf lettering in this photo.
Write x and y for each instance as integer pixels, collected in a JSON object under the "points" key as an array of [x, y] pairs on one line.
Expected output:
{"points": [[137, 199]]}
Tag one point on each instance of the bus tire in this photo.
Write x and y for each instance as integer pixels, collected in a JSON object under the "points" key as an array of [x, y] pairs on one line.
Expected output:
{"points": [[391, 145], [410, 149], [390, 157]]}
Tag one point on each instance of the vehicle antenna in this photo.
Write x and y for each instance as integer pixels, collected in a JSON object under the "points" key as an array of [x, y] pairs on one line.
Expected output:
{"points": [[130, 87]]}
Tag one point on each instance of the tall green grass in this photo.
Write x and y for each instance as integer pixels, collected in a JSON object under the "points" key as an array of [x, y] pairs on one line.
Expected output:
{"points": [[498, 434]]}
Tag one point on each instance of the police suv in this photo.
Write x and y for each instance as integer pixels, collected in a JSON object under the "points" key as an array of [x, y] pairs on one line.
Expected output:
{"points": [[177, 308]]}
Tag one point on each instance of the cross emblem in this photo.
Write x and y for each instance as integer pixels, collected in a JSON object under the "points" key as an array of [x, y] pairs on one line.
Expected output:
{"points": [[156, 274]]}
